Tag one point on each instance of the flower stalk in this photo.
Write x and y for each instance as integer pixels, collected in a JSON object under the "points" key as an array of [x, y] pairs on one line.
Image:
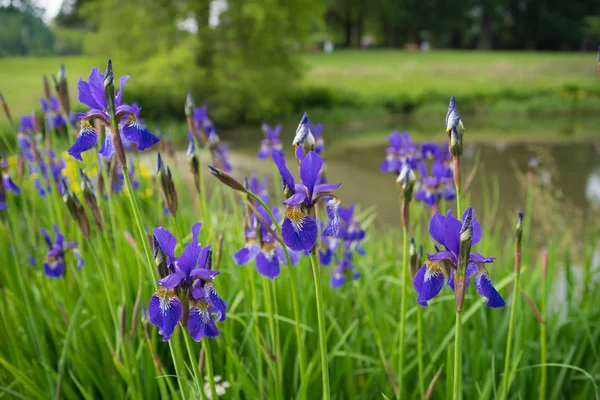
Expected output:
{"points": [[321, 323], [513, 308]]}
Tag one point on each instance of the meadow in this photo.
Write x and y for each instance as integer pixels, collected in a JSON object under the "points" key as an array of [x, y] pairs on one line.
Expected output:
{"points": [[358, 85], [348, 329]]}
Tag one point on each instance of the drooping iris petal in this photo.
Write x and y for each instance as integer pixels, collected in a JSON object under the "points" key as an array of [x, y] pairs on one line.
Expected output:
{"points": [[203, 273], [267, 264], [108, 148], [484, 286], [246, 254], [333, 227], [326, 187], [54, 268], [137, 133], [200, 322], [218, 305], [443, 255], [299, 231], [9, 184], [478, 258], [428, 282], [337, 280], [164, 311], [436, 227], [166, 241], [88, 137]]}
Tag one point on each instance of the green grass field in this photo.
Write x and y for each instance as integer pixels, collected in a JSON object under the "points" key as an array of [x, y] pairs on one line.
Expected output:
{"points": [[537, 81]]}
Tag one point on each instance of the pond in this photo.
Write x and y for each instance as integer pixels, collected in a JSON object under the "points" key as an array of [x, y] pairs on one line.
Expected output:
{"points": [[568, 174]]}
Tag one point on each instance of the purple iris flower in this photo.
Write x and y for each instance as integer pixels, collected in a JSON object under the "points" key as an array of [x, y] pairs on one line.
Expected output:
{"points": [[54, 119], [271, 143], [8, 183], [54, 263], [317, 132], [299, 230], [327, 249], [401, 150], [344, 270], [262, 246], [190, 275], [350, 229], [429, 280], [259, 187], [27, 125], [438, 185], [430, 151], [91, 93]]}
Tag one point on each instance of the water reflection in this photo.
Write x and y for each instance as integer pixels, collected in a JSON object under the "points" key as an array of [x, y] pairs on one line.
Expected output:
{"points": [[570, 170]]}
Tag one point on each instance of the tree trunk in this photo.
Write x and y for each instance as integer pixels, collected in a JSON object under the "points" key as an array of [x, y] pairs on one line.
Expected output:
{"points": [[485, 35], [348, 32]]}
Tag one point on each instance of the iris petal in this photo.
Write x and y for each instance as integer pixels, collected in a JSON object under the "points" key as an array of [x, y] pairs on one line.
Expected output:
{"points": [[88, 137], [164, 311], [166, 241], [85, 94], [108, 148], [309, 171], [201, 324], [299, 231], [267, 264], [484, 286], [436, 227], [246, 254]]}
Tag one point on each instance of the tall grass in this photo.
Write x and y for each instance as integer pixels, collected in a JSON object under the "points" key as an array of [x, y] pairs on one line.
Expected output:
{"points": [[84, 336]]}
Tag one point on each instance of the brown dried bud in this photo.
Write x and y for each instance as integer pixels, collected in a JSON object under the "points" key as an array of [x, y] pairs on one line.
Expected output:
{"points": [[167, 186], [227, 179], [90, 198], [76, 210], [6, 110], [46, 86]]}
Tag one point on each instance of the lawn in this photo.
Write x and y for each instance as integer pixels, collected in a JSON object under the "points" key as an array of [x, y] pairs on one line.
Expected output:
{"points": [[396, 79]]}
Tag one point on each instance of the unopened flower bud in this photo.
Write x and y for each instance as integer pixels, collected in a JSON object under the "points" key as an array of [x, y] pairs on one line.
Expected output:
{"points": [[227, 179], [304, 136], [406, 179], [76, 210], [46, 86], [519, 229], [160, 258], [89, 195], [466, 239], [189, 105], [167, 186], [454, 129]]}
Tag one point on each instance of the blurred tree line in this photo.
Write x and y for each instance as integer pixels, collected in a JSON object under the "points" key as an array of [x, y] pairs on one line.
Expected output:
{"points": [[239, 56], [483, 24]]}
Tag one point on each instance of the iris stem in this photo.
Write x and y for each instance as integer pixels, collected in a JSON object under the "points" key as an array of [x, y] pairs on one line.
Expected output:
{"points": [[257, 335], [511, 324], [457, 391], [420, 354], [300, 342], [321, 319], [457, 394], [209, 367], [543, 340], [273, 333], [405, 251]]}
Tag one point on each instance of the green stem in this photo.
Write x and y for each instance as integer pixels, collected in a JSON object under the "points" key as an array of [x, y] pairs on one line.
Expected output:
{"points": [[420, 354], [209, 367], [299, 341], [457, 394], [511, 324], [193, 361], [404, 267], [457, 387], [321, 319], [273, 334], [257, 336], [543, 339]]}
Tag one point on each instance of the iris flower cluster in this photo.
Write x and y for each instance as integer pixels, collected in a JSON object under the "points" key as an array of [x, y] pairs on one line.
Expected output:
{"points": [[54, 262], [261, 244], [187, 291], [95, 94], [271, 144], [51, 108], [349, 239], [433, 185], [218, 151], [447, 230], [6, 184]]}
